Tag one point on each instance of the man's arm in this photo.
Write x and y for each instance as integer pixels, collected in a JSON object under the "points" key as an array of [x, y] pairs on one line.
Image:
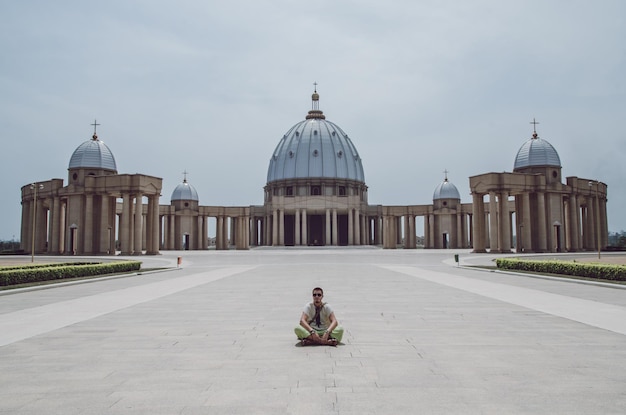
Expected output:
{"points": [[304, 323], [333, 323]]}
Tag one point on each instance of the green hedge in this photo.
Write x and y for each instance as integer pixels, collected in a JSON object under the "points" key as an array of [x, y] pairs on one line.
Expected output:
{"points": [[578, 269], [55, 264], [30, 274]]}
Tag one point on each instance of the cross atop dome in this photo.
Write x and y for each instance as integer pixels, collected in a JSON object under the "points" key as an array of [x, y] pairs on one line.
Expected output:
{"points": [[534, 123], [315, 106], [95, 125]]}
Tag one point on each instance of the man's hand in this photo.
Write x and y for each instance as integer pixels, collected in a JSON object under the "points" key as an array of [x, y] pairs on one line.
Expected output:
{"points": [[316, 338]]}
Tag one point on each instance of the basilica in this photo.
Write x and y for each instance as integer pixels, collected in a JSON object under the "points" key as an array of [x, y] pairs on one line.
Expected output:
{"points": [[315, 195]]}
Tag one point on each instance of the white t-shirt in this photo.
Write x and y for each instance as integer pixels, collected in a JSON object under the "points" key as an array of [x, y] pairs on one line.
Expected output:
{"points": [[326, 311]]}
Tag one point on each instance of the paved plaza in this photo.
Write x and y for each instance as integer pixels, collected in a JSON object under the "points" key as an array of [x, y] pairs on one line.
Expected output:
{"points": [[215, 336]]}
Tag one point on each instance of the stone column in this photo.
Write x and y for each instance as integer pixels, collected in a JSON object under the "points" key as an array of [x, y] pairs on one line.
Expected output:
{"points": [[156, 225], [574, 230], [431, 230], [88, 228], [41, 226], [24, 229], [138, 228], [335, 229], [281, 227], [328, 228], [567, 200], [205, 232], [246, 231], [62, 220], [388, 232], [297, 223], [541, 219], [409, 230], [350, 227], [147, 228], [219, 233], [254, 231], [426, 233], [478, 223], [357, 227], [275, 228], [152, 247], [470, 223], [55, 229], [267, 230], [493, 223], [398, 220], [226, 238], [604, 226], [527, 245], [504, 229], [126, 225], [172, 230], [459, 230], [104, 244], [365, 234], [305, 229], [233, 232], [591, 218]]}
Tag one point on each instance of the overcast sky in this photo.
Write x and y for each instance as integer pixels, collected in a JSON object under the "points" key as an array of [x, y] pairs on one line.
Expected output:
{"points": [[210, 87]]}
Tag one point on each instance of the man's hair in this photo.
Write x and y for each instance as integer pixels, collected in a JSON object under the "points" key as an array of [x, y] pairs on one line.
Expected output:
{"points": [[318, 289]]}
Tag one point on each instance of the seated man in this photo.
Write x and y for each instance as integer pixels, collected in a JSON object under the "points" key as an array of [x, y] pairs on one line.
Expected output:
{"points": [[318, 324]]}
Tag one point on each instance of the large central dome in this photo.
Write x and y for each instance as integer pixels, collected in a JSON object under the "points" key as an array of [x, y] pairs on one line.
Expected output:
{"points": [[315, 148]]}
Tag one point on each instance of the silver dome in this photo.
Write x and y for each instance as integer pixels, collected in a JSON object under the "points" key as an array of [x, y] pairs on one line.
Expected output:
{"points": [[315, 148], [446, 190], [536, 152], [93, 154], [185, 191]]}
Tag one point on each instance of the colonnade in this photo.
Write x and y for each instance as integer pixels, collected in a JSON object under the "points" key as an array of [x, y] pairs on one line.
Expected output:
{"points": [[190, 232], [270, 229], [540, 221]]}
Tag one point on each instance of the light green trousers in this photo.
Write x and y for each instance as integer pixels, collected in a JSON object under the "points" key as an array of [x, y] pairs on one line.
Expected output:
{"points": [[337, 333]]}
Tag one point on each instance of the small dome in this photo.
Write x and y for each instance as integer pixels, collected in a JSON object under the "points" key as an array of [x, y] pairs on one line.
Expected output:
{"points": [[446, 190], [185, 191], [93, 154], [536, 152], [315, 148]]}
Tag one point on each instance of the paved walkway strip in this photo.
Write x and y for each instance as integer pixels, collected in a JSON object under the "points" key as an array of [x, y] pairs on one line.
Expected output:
{"points": [[23, 324], [593, 313]]}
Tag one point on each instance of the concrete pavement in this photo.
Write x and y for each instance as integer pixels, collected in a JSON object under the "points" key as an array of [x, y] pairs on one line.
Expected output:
{"points": [[422, 336]]}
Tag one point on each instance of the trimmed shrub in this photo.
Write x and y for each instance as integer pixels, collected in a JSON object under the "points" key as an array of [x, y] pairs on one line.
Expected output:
{"points": [[31, 274], [578, 269]]}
